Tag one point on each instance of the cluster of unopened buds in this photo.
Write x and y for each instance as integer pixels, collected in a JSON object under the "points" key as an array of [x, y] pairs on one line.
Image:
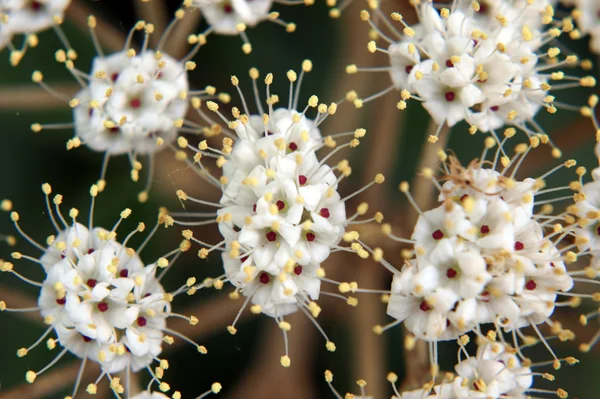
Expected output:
{"points": [[490, 257]]}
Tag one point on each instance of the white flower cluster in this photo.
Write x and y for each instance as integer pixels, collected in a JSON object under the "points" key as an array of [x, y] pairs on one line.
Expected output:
{"points": [[101, 300], [481, 257], [496, 371], [215, 388], [98, 297], [280, 212], [132, 104], [587, 17], [28, 17], [485, 62]]}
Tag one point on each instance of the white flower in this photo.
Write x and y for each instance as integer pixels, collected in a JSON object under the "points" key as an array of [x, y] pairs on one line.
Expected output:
{"points": [[587, 17], [280, 212], [131, 103], [224, 15], [482, 256], [484, 62], [28, 17], [232, 17], [102, 302], [147, 96]]}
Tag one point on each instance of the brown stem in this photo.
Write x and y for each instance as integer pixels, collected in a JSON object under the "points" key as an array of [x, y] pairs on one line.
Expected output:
{"points": [[267, 378], [34, 98], [154, 12], [109, 36], [16, 299]]}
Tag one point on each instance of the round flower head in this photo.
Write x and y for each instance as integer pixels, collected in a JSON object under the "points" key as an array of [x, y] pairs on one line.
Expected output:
{"points": [[485, 63], [232, 17], [29, 17], [98, 297], [215, 388], [133, 102], [587, 18], [487, 254], [280, 212]]}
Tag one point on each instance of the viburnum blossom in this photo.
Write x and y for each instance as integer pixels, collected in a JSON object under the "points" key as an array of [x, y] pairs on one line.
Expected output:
{"points": [[280, 213], [486, 254], [486, 63], [496, 371], [215, 388], [586, 14], [29, 17], [98, 297], [133, 102], [233, 17]]}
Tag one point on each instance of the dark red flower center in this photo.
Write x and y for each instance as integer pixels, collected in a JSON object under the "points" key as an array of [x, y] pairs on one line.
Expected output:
{"points": [[485, 296], [102, 306], [114, 129], [91, 283], [495, 108], [124, 273], [519, 246], [485, 229], [437, 235], [598, 230], [135, 103], [114, 77], [280, 205], [530, 285], [464, 197], [293, 146], [141, 321], [298, 270], [451, 273], [449, 63], [408, 68], [271, 236], [450, 96], [424, 306], [310, 237], [61, 301], [325, 212], [243, 259], [264, 278], [228, 8], [254, 208], [86, 339], [35, 5], [302, 180]]}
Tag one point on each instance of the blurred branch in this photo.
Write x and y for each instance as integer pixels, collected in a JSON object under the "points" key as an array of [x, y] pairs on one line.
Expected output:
{"points": [[424, 191], [34, 98], [178, 43], [109, 36], [371, 362], [215, 313], [154, 12], [16, 299], [53, 381], [266, 378]]}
